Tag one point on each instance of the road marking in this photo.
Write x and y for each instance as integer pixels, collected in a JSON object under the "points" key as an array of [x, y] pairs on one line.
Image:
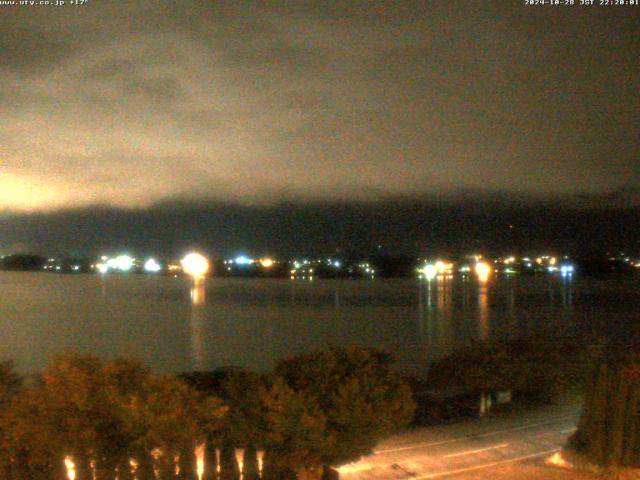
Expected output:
{"points": [[470, 452], [468, 437], [524, 427], [486, 465], [420, 445]]}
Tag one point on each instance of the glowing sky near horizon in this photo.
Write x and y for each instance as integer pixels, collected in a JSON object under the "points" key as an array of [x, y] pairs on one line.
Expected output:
{"points": [[243, 102]]}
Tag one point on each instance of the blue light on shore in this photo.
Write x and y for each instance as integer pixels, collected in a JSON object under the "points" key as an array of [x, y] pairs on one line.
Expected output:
{"points": [[242, 260], [566, 270]]}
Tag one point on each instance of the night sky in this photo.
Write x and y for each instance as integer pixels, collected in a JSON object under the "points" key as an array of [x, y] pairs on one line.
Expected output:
{"points": [[279, 126]]}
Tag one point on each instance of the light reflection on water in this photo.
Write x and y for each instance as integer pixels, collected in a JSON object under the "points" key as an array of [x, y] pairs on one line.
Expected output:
{"points": [[197, 323], [175, 325]]}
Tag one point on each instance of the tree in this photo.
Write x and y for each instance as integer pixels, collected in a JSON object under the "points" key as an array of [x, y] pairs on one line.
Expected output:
{"points": [[244, 424], [352, 391], [10, 382], [608, 432], [103, 416], [480, 368], [538, 367], [297, 436]]}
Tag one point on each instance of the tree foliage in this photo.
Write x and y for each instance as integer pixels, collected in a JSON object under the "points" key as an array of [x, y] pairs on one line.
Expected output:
{"points": [[102, 415], [538, 366], [297, 435], [608, 432], [10, 382], [314, 410], [348, 397]]}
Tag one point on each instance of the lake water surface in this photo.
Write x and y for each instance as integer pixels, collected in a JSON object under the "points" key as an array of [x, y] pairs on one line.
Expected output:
{"points": [[175, 326]]}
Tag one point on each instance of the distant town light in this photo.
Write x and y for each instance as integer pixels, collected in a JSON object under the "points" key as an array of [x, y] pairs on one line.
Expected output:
{"points": [[242, 260], [124, 263], [483, 270], [152, 266], [443, 268], [429, 271], [266, 262], [195, 265], [566, 270]]}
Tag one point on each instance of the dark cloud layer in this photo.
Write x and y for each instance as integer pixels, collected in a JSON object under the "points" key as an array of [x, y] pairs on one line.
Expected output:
{"points": [[457, 224], [132, 103]]}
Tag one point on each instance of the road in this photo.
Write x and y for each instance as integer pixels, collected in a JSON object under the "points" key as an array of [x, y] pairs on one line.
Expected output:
{"points": [[453, 450]]}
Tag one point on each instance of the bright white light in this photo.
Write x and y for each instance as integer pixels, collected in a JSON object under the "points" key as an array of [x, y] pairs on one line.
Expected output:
{"points": [[195, 265], [429, 271], [242, 260], [337, 264], [483, 270], [124, 263], [152, 266]]}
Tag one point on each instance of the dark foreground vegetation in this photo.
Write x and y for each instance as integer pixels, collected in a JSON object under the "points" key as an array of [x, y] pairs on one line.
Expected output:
{"points": [[103, 419], [536, 369], [608, 433]]}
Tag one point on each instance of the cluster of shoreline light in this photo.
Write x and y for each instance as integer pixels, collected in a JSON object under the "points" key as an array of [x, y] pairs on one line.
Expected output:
{"points": [[193, 264], [125, 263], [445, 269], [483, 268], [242, 260], [310, 268]]}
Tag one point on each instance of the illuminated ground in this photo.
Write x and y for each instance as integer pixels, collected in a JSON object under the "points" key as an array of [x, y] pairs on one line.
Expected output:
{"points": [[472, 449]]}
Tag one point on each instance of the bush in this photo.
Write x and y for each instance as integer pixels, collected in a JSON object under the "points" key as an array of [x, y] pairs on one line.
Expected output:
{"points": [[538, 368]]}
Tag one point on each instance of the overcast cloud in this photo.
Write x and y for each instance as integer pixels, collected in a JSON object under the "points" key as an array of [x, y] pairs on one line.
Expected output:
{"points": [[132, 103]]}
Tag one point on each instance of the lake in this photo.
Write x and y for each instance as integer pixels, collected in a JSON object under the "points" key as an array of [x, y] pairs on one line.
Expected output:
{"points": [[174, 326]]}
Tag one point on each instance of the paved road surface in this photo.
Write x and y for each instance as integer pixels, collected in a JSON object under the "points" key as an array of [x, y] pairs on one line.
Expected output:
{"points": [[454, 450]]}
